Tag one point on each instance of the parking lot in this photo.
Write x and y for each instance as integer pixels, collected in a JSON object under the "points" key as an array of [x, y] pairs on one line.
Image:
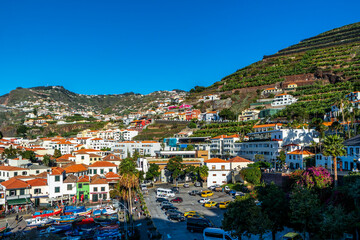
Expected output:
{"points": [[177, 230]]}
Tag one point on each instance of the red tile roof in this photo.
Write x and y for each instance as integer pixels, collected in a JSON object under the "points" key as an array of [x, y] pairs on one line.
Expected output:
{"points": [[14, 183], [112, 175], [37, 182], [111, 157], [102, 164], [84, 178], [56, 171], [301, 152], [98, 180], [75, 168], [239, 159], [215, 160], [268, 125], [10, 168]]}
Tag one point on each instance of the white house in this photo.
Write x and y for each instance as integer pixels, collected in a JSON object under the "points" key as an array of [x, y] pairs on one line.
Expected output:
{"points": [[18, 162], [37, 169], [101, 168], [295, 159], [283, 99], [55, 181], [69, 187], [39, 191], [142, 147], [237, 163], [219, 171], [99, 189], [17, 192], [8, 172], [210, 116]]}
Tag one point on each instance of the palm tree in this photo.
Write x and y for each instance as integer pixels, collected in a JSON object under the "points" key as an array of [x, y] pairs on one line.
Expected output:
{"points": [[336, 126], [128, 182], [203, 172], [333, 146]]}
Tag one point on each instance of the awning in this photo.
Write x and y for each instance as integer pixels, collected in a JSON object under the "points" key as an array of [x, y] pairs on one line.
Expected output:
{"points": [[18, 201]]}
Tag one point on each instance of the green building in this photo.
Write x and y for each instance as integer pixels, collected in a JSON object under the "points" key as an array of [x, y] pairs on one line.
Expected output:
{"points": [[83, 188]]}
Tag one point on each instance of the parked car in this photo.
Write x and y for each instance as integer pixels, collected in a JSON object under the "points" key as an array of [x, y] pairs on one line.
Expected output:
{"points": [[214, 186], [217, 233], [161, 199], [204, 200], [175, 190], [210, 204], [218, 189], [176, 217], [143, 187], [232, 192], [198, 224], [168, 207], [186, 185], [166, 203], [173, 211], [197, 184], [206, 193], [224, 204], [192, 214], [239, 194], [194, 192], [177, 200], [227, 189]]}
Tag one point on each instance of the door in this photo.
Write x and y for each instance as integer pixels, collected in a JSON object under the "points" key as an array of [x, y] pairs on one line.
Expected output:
{"points": [[95, 198], [37, 202]]}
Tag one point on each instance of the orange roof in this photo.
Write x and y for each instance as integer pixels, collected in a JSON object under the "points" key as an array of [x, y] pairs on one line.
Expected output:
{"points": [[10, 168], [98, 180], [239, 159], [111, 157], [221, 136], [112, 175], [94, 155], [82, 151], [75, 168], [268, 125], [270, 89], [282, 94], [37, 182], [84, 178], [102, 164], [42, 175], [14, 183], [56, 171], [65, 157], [215, 160], [301, 152]]}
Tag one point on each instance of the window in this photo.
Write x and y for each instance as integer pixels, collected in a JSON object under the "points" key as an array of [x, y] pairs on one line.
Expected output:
{"points": [[104, 196], [95, 189], [69, 187], [57, 178], [57, 189], [102, 171], [82, 157], [103, 189], [37, 171], [95, 171], [13, 193], [80, 185], [214, 175], [24, 173], [222, 167], [110, 170], [15, 174], [37, 190], [22, 191], [224, 174], [213, 167]]}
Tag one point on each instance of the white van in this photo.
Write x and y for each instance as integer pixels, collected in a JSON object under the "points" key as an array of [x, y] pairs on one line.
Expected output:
{"points": [[163, 192], [217, 234]]}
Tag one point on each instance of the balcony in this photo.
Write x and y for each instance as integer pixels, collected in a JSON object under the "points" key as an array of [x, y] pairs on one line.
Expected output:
{"points": [[18, 197]]}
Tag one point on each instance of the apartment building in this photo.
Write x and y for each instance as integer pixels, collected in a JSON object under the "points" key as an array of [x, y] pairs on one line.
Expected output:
{"points": [[147, 148], [283, 100], [223, 146], [219, 171]]}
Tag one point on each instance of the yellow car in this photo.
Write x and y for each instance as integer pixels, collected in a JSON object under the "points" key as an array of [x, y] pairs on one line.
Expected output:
{"points": [[206, 193], [210, 204], [224, 204], [191, 214]]}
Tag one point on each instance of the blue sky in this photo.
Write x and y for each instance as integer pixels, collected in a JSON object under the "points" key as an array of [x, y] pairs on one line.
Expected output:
{"points": [[108, 47]]}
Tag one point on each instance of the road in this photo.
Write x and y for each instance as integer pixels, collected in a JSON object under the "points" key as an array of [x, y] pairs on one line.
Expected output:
{"points": [[177, 230]]}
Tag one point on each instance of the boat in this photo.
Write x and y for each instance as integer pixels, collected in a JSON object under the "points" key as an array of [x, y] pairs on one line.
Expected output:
{"points": [[106, 220], [108, 211], [85, 213], [47, 213], [74, 210], [38, 221], [64, 219], [88, 220], [49, 230], [62, 226]]}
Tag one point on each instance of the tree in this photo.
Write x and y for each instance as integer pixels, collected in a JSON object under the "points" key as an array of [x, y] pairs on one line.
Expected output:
{"points": [[22, 130], [333, 146], [259, 157], [127, 165], [29, 155], [251, 175], [10, 152], [153, 172], [227, 114], [57, 153], [274, 205], [203, 172], [190, 148], [280, 160], [176, 167], [105, 149], [48, 161], [244, 217], [305, 211], [192, 125]]}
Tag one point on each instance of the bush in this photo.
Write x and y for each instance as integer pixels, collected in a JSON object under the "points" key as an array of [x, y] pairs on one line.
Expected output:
{"points": [[251, 175]]}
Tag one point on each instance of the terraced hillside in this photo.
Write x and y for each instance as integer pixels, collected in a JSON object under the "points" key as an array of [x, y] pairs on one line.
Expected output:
{"points": [[230, 128]]}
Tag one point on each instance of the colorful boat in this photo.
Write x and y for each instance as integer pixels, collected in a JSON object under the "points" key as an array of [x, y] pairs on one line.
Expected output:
{"points": [[74, 210], [108, 211], [85, 213], [64, 219], [62, 226], [47, 213], [38, 221], [86, 221], [106, 220]]}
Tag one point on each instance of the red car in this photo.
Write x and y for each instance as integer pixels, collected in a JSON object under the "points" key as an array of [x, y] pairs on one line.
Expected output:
{"points": [[178, 200]]}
